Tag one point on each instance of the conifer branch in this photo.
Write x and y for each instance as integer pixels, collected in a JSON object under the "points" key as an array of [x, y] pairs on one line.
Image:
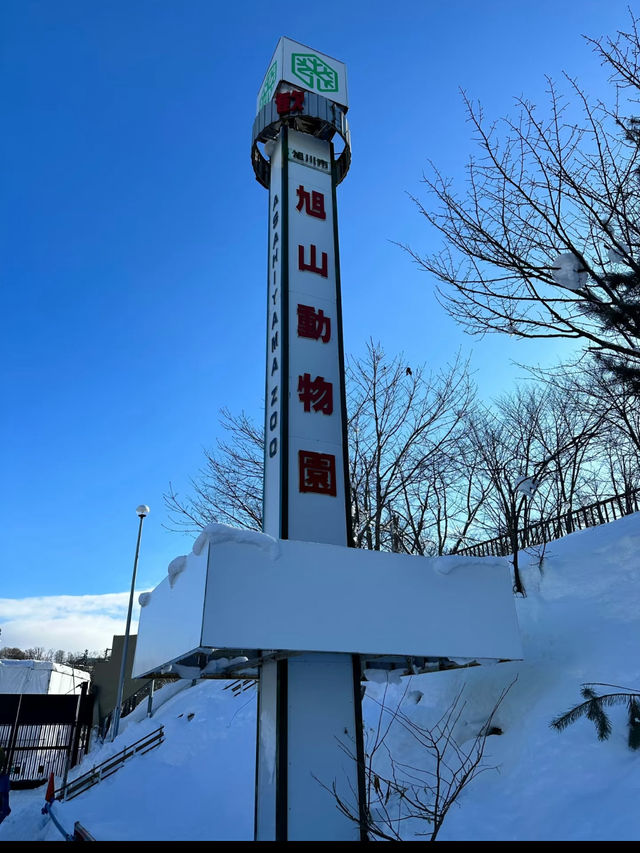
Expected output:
{"points": [[593, 709]]}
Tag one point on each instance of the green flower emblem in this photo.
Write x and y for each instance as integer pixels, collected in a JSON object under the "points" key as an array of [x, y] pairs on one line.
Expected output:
{"points": [[314, 72], [269, 85]]}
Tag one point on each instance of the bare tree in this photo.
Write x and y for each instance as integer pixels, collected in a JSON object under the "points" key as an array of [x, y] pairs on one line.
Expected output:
{"points": [[36, 653], [399, 795], [403, 427], [612, 404], [543, 240], [526, 443], [441, 507], [12, 653], [228, 488], [569, 436]]}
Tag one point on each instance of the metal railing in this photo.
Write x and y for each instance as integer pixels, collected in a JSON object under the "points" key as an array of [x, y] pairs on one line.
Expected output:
{"points": [[546, 530], [240, 685], [110, 766]]}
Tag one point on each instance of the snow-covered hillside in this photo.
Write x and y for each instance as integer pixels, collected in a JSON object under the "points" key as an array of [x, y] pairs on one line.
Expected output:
{"points": [[579, 623]]}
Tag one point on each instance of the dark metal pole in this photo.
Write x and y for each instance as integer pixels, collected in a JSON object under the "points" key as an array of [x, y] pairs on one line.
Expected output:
{"points": [[72, 750], [14, 736], [150, 699], [118, 707]]}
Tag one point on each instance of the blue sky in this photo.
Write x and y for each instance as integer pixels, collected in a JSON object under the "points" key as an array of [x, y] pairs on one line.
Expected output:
{"points": [[134, 237]]}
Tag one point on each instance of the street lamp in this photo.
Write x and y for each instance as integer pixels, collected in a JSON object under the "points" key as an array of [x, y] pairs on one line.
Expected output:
{"points": [[142, 512]]}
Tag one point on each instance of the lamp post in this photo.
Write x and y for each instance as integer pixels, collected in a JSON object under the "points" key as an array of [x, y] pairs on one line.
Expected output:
{"points": [[142, 512]]}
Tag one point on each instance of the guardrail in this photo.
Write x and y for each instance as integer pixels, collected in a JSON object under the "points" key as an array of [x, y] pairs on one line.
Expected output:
{"points": [[110, 766], [549, 529], [240, 685]]}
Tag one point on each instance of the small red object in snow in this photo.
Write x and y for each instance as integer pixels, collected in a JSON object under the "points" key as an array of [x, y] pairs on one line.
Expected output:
{"points": [[49, 796]]}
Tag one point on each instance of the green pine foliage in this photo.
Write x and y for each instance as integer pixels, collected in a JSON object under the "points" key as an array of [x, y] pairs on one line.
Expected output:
{"points": [[593, 708], [634, 722], [621, 315]]}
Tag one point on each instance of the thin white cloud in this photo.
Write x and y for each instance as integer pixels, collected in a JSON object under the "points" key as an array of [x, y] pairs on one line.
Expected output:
{"points": [[72, 623]]}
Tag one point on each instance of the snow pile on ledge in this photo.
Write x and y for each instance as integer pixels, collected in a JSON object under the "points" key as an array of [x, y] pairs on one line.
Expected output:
{"points": [[217, 533], [175, 567], [213, 666]]}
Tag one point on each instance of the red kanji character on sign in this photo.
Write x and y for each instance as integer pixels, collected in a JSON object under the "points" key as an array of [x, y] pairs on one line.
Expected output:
{"points": [[317, 472], [316, 392], [312, 266], [313, 324], [290, 102], [283, 102], [313, 202], [297, 101]]}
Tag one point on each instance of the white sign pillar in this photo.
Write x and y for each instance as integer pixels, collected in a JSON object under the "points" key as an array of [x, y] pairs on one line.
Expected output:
{"points": [[309, 707]]}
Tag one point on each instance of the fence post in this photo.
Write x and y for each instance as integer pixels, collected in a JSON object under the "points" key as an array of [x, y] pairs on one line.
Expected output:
{"points": [[70, 745], [14, 737], [150, 699], [78, 728]]}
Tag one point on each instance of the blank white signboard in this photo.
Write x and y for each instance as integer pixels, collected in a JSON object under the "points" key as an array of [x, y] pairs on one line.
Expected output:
{"points": [[246, 590]]}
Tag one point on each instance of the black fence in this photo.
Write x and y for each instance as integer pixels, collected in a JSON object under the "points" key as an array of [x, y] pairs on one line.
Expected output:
{"points": [[42, 734], [549, 529]]}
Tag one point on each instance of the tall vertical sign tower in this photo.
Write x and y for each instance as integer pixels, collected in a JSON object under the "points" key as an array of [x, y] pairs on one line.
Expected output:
{"points": [[299, 608], [309, 715]]}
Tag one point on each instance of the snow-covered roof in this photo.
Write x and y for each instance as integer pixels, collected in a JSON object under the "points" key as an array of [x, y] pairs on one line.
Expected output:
{"points": [[39, 676]]}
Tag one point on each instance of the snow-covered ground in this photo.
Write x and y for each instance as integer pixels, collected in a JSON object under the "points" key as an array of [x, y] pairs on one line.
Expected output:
{"points": [[579, 623]]}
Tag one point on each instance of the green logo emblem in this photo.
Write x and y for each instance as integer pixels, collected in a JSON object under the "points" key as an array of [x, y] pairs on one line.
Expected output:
{"points": [[269, 86], [314, 72]]}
